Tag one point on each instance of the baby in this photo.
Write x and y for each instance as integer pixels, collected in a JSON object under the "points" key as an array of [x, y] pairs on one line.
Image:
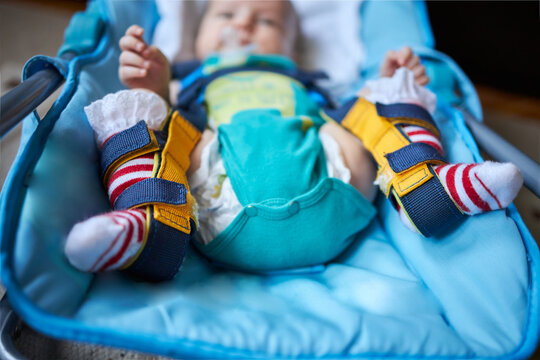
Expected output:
{"points": [[278, 177]]}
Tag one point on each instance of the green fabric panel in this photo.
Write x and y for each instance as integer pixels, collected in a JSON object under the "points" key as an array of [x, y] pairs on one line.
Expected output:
{"points": [[268, 156]]}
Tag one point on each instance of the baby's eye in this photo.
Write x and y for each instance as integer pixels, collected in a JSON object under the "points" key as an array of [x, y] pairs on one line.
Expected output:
{"points": [[227, 15], [267, 22]]}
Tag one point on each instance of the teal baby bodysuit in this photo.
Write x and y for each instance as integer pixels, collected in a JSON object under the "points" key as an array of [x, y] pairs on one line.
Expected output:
{"points": [[293, 214]]}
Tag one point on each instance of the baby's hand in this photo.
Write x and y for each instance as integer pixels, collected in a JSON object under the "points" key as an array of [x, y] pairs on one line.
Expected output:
{"points": [[404, 58], [143, 66]]}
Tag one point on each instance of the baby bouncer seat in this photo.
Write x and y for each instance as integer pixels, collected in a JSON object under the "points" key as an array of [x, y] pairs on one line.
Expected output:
{"points": [[470, 292]]}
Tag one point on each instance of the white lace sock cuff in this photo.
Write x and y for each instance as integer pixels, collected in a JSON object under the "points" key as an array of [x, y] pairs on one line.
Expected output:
{"points": [[123, 109]]}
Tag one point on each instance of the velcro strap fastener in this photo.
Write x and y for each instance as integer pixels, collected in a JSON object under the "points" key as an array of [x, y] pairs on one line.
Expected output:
{"points": [[128, 144], [410, 114], [412, 155], [151, 191], [404, 182], [430, 208]]}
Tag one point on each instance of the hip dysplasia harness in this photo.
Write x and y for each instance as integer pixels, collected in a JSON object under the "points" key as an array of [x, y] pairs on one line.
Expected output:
{"points": [[170, 218], [296, 216], [405, 173]]}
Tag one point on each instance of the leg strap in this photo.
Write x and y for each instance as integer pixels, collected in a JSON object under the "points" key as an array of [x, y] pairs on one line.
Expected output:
{"points": [[405, 168], [162, 254], [171, 221]]}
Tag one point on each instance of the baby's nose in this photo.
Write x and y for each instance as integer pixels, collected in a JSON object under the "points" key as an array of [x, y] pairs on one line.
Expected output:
{"points": [[244, 19]]}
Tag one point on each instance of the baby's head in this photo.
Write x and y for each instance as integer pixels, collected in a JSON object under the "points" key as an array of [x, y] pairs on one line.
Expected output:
{"points": [[270, 25]]}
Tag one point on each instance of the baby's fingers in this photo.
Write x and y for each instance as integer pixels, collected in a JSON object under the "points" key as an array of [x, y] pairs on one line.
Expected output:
{"points": [[418, 70], [413, 62], [404, 56], [131, 72], [135, 30], [152, 53], [420, 76], [132, 43], [128, 58], [422, 80]]}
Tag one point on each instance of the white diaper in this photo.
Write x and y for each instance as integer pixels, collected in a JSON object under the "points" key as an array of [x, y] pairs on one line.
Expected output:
{"points": [[217, 202]]}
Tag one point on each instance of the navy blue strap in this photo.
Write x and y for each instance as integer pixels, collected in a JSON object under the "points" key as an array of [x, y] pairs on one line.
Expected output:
{"points": [[430, 208], [123, 143], [404, 110], [163, 253], [191, 93], [180, 70], [412, 154], [195, 114], [151, 190], [339, 114]]}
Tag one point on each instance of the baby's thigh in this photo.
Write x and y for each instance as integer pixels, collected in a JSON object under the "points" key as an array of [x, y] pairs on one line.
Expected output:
{"points": [[195, 156], [356, 158]]}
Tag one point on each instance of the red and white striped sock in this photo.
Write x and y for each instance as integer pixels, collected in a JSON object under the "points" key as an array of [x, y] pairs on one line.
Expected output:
{"points": [[477, 188], [420, 134], [474, 188], [129, 173], [106, 242], [109, 241]]}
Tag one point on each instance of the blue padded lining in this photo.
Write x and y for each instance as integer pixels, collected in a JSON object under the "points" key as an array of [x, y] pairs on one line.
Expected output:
{"points": [[469, 293]]}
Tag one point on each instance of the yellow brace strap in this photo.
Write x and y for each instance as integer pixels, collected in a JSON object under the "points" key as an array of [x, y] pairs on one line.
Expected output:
{"points": [[381, 136], [173, 165]]}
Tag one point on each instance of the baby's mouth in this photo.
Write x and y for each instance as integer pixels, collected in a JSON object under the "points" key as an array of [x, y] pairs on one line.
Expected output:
{"points": [[231, 43]]}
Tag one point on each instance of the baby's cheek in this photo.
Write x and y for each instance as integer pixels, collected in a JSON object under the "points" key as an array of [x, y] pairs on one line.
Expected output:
{"points": [[270, 42], [205, 48]]}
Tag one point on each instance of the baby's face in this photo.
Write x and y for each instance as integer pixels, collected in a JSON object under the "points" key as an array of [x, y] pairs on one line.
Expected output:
{"points": [[268, 25]]}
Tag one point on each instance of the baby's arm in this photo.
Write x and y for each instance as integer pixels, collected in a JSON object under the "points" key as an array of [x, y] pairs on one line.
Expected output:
{"points": [[143, 66]]}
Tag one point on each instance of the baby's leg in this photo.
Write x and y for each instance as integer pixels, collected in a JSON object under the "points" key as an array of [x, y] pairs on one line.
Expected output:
{"points": [[195, 157], [110, 241], [474, 188], [357, 159], [116, 239]]}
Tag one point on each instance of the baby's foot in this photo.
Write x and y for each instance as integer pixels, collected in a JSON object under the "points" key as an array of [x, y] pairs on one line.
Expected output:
{"points": [[477, 188], [106, 242]]}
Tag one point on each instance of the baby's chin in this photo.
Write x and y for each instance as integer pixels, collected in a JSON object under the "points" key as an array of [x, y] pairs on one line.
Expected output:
{"points": [[248, 49]]}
